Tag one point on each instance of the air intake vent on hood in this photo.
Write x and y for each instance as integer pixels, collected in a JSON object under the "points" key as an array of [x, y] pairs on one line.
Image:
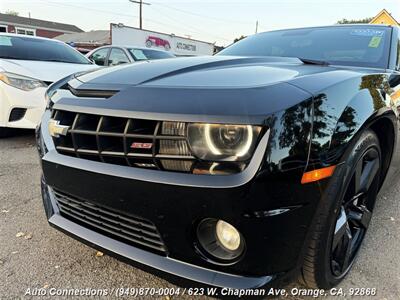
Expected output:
{"points": [[92, 93]]}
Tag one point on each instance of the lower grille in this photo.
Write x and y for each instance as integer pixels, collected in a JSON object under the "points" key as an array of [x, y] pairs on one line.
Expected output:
{"points": [[131, 230], [17, 114]]}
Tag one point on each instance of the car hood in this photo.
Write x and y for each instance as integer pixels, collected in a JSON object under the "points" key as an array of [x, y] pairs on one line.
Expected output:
{"points": [[205, 72], [202, 89], [42, 70]]}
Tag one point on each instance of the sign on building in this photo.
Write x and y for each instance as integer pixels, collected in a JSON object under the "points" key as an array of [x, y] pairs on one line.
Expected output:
{"points": [[130, 36]]}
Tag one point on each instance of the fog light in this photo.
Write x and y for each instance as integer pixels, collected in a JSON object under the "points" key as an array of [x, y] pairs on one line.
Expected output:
{"points": [[220, 241], [228, 236]]}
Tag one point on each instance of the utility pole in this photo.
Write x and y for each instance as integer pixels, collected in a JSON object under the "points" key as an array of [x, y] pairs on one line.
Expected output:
{"points": [[257, 26], [140, 2]]}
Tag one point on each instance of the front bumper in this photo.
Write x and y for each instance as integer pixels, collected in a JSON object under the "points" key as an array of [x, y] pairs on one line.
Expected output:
{"points": [[33, 101], [175, 203], [165, 264]]}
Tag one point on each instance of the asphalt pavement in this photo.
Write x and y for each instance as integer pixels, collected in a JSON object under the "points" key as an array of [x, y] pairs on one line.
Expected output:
{"points": [[36, 257]]}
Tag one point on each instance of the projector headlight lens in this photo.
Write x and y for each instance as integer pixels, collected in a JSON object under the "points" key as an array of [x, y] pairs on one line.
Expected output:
{"points": [[219, 142], [227, 235]]}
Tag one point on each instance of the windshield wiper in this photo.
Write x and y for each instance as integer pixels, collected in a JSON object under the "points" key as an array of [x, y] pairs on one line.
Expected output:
{"points": [[313, 62]]}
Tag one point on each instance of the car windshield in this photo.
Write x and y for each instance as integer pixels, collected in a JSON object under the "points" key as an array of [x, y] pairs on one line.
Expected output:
{"points": [[23, 48], [363, 46], [145, 54]]}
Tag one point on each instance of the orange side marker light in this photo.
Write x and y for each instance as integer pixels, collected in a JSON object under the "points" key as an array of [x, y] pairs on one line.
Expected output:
{"points": [[318, 174]]}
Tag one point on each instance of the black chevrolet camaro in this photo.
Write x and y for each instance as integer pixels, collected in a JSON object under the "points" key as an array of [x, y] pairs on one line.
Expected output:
{"points": [[240, 170]]}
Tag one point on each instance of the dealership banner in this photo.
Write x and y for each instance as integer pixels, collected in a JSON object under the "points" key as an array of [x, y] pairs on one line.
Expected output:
{"points": [[130, 36]]}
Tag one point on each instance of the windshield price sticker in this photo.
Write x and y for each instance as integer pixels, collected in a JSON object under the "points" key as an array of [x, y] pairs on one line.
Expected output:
{"points": [[5, 41], [139, 54], [375, 42], [368, 32]]}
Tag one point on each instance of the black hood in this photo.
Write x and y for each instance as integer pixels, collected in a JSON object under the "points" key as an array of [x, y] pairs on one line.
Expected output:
{"points": [[214, 71], [214, 89]]}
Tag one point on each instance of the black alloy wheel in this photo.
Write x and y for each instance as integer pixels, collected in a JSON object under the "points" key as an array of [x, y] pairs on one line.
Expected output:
{"points": [[355, 212], [343, 214]]}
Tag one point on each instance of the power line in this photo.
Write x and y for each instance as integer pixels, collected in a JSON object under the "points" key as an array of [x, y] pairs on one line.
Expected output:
{"points": [[202, 16], [140, 2], [99, 10], [194, 29], [57, 4]]}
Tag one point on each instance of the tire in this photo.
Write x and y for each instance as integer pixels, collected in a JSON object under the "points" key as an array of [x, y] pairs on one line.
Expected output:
{"points": [[343, 216], [149, 44]]}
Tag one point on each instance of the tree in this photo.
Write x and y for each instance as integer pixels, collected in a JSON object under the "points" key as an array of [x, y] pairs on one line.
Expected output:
{"points": [[12, 13], [362, 21], [239, 38]]}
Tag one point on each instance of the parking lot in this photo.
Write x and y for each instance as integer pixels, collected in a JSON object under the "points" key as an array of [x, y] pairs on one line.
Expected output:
{"points": [[33, 255]]}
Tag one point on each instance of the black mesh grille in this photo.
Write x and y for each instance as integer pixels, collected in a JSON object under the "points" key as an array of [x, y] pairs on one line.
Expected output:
{"points": [[123, 141], [129, 229], [17, 114]]}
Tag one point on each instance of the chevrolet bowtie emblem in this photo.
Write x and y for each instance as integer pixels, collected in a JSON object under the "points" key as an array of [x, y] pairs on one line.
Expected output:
{"points": [[55, 129]]}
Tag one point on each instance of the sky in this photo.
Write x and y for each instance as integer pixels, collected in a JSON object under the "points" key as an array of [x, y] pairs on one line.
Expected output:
{"points": [[219, 21]]}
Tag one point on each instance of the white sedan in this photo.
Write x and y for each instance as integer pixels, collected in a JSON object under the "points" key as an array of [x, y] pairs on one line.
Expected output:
{"points": [[28, 65]]}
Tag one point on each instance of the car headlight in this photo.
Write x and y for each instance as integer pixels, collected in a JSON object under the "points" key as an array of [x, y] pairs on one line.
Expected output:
{"points": [[207, 149], [21, 82], [219, 142]]}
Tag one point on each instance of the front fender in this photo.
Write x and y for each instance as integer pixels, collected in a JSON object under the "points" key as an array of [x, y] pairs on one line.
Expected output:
{"points": [[342, 111]]}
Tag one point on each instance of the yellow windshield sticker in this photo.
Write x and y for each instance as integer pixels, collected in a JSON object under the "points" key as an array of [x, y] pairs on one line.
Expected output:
{"points": [[375, 42]]}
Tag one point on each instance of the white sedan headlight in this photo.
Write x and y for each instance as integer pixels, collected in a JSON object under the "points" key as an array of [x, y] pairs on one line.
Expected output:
{"points": [[21, 82]]}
